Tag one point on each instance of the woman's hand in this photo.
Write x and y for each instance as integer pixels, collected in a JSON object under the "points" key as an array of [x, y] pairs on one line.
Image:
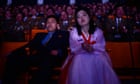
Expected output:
{"points": [[87, 47]]}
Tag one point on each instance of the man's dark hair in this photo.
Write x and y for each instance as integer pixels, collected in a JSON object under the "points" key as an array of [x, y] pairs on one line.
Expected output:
{"points": [[52, 16]]}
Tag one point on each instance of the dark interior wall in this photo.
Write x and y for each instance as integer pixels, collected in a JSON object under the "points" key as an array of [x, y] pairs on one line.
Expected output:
{"points": [[56, 1], [18, 2], [33, 2], [25, 2], [3, 2]]}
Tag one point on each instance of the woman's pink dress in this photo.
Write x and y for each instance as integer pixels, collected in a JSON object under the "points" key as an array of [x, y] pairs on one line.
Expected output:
{"points": [[83, 67]]}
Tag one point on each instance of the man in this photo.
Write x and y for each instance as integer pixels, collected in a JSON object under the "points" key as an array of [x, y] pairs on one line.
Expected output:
{"points": [[18, 29], [6, 25], [64, 21], [119, 27], [47, 51]]}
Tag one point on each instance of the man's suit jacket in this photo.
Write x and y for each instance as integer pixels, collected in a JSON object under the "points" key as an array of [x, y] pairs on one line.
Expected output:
{"points": [[40, 52], [19, 61], [112, 23], [59, 41], [112, 29]]}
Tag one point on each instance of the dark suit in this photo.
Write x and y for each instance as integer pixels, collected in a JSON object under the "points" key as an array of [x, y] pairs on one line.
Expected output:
{"points": [[40, 56], [53, 2], [6, 27], [116, 32]]}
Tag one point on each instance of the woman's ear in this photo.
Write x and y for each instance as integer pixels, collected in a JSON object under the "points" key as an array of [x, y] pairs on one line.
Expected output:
{"points": [[58, 26]]}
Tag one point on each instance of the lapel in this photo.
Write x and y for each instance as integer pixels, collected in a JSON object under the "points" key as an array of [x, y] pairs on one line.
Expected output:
{"points": [[123, 21], [113, 22], [43, 35], [55, 38]]}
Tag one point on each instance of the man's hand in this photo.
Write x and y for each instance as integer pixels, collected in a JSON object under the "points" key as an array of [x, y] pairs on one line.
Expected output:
{"points": [[54, 52]]}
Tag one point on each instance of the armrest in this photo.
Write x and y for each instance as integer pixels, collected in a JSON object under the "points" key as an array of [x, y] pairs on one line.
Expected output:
{"points": [[27, 51]]}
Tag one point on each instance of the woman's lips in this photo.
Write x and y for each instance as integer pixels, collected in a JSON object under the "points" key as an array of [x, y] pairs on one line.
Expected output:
{"points": [[82, 21]]}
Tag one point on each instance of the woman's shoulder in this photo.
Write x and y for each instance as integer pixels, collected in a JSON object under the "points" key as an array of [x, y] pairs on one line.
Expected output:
{"points": [[73, 30], [98, 30]]}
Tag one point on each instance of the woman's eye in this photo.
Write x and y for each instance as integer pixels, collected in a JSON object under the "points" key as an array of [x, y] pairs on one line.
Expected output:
{"points": [[84, 14]]}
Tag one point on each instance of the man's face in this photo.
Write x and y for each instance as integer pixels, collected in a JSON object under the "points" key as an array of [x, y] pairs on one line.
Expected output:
{"points": [[19, 17], [120, 12], [64, 15], [51, 24], [8, 14], [69, 11]]}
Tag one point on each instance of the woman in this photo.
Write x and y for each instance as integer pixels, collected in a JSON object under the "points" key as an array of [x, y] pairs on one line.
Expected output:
{"points": [[88, 62]]}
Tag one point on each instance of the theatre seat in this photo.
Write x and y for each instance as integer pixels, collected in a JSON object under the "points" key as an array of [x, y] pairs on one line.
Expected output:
{"points": [[35, 31], [121, 53], [33, 69]]}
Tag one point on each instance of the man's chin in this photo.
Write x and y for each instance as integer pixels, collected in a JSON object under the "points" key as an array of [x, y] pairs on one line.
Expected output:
{"points": [[84, 24], [51, 30]]}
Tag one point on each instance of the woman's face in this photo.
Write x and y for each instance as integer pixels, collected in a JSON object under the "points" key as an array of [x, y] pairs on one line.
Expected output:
{"points": [[83, 18], [64, 15]]}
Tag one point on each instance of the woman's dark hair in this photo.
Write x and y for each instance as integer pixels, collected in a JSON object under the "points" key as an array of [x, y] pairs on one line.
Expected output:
{"points": [[91, 23]]}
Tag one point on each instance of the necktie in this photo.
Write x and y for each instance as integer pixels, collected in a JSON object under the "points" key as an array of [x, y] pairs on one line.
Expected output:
{"points": [[118, 21], [47, 38]]}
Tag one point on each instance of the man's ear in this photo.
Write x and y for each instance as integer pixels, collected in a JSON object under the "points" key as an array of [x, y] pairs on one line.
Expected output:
{"points": [[58, 26]]}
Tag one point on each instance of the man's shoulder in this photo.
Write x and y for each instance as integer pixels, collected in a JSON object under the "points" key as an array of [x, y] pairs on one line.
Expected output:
{"points": [[40, 34], [63, 32]]}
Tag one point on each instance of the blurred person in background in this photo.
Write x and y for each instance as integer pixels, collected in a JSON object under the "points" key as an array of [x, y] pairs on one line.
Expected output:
{"points": [[118, 26], [17, 31], [6, 25], [136, 27], [64, 21]]}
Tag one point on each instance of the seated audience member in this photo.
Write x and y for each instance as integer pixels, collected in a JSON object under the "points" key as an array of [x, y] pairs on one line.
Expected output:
{"points": [[47, 50], [64, 22], [118, 27]]}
